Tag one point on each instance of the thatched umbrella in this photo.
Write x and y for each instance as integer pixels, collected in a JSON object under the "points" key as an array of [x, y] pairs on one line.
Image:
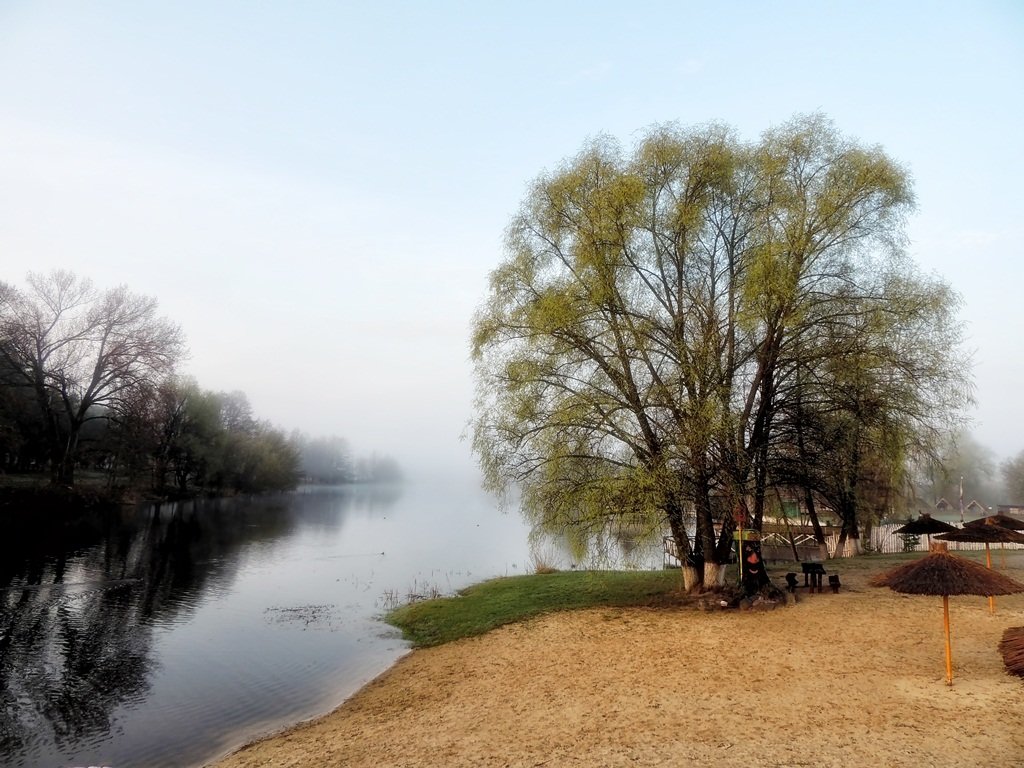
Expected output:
{"points": [[1002, 520], [927, 525], [1005, 521], [940, 573], [986, 533]]}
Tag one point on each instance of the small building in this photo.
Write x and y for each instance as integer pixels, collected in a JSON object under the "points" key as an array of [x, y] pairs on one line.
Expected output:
{"points": [[975, 508]]}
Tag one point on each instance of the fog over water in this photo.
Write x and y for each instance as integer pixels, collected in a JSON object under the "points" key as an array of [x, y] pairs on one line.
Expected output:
{"points": [[317, 193]]}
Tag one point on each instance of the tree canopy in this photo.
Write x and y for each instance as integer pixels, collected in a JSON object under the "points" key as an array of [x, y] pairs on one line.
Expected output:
{"points": [[670, 324], [82, 353]]}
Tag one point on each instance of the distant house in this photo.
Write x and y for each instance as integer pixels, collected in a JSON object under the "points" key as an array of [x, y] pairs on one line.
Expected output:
{"points": [[1011, 509], [975, 507], [792, 506], [972, 510]]}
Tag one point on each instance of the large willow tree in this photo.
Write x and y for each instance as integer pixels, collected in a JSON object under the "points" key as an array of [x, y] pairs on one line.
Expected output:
{"points": [[648, 321]]}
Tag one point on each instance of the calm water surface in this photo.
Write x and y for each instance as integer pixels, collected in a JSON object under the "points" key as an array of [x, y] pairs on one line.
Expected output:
{"points": [[166, 635]]}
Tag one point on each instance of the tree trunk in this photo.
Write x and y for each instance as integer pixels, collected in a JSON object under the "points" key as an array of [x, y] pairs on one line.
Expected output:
{"points": [[852, 539], [714, 574], [723, 549], [819, 534], [711, 553], [692, 575], [64, 473], [160, 469], [693, 579]]}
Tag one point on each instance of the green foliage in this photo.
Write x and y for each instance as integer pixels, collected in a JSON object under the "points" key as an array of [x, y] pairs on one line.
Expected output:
{"points": [[910, 541], [664, 319], [874, 395], [493, 603]]}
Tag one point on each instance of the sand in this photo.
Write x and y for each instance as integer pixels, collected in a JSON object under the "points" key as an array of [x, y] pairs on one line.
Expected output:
{"points": [[854, 679]]}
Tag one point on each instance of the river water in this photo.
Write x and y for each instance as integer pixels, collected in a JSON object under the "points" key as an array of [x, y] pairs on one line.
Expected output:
{"points": [[166, 635]]}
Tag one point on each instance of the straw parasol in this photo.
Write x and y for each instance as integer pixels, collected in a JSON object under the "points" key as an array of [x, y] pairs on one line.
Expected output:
{"points": [[941, 573], [1002, 520], [985, 533], [1013, 523], [927, 525]]}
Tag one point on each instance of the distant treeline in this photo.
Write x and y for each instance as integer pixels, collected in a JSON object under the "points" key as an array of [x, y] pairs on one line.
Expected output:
{"points": [[88, 383], [329, 460]]}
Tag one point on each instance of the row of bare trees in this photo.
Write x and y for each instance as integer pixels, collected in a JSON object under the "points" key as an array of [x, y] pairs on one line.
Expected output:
{"points": [[72, 355], [87, 379]]}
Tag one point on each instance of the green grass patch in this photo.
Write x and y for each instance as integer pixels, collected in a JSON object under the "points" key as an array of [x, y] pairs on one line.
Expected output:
{"points": [[490, 604], [493, 603]]}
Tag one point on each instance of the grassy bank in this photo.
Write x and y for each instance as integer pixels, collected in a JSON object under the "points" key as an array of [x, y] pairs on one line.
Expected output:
{"points": [[491, 604], [482, 607]]}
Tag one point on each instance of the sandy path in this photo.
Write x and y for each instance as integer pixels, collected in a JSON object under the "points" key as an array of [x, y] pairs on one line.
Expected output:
{"points": [[855, 679]]}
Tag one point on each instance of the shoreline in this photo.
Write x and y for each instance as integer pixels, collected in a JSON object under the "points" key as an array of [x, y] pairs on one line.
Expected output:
{"points": [[273, 728], [836, 680]]}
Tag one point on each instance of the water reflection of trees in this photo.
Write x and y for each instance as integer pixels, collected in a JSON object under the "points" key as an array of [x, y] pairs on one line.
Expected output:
{"points": [[72, 645], [79, 599], [630, 542]]}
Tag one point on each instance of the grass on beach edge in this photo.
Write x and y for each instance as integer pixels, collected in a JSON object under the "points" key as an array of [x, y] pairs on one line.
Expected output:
{"points": [[494, 603]]}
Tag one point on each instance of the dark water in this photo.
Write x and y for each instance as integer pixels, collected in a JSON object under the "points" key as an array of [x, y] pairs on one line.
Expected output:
{"points": [[164, 635]]}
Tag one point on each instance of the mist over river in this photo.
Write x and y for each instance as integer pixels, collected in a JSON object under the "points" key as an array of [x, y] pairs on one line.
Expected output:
{"points": [[166, 634]]}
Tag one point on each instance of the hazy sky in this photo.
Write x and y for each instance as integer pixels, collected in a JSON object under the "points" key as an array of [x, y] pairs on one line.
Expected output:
{"points": [[317, 191]]}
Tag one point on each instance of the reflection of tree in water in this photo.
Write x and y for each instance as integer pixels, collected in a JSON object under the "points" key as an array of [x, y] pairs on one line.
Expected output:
{"points": [[630, 542], [78, 601], [71, 645], [365, 500]]}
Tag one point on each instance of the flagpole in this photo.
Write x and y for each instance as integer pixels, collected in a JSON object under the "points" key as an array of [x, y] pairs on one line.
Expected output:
{"points": [[961, 501]]}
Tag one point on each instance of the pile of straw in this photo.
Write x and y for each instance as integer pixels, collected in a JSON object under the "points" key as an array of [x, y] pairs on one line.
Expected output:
{"points": [[1012, 648]]}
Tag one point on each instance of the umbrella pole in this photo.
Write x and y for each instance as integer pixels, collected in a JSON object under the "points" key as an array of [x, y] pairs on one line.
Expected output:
{"points": [[949, 649], [988, 564]]}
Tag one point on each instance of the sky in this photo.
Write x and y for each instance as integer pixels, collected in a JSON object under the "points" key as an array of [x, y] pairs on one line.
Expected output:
{"points": [[317, 191]]}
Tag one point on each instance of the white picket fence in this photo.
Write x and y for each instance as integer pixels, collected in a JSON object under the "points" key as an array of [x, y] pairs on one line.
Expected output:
{"points": [[882, 538]]}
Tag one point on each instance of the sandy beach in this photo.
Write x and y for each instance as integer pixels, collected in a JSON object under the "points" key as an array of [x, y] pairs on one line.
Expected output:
{"points": [[854, 679]]}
